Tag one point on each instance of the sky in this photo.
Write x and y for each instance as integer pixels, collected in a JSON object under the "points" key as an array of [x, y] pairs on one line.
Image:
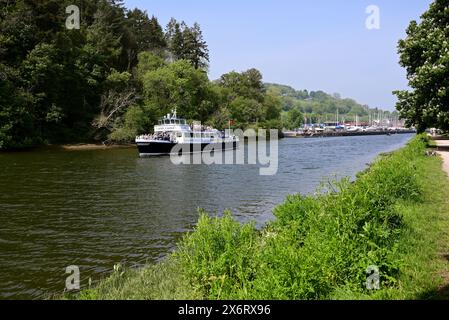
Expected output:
{"points": [[307, 44]]}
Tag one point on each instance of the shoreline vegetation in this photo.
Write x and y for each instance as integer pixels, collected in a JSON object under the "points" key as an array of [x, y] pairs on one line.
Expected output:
{"points": [[395, 216], [72, 147], [91, 146], [112, 79]]}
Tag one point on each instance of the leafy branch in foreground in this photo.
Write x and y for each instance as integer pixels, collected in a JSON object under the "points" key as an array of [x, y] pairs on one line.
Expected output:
{"points": [[424, 53]]}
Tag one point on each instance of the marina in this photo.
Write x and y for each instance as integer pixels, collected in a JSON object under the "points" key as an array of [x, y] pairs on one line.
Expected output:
{"points": [[324, 131]]}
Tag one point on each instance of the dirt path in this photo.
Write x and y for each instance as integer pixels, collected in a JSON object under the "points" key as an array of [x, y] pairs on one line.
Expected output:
{"points": [[443, 150]]}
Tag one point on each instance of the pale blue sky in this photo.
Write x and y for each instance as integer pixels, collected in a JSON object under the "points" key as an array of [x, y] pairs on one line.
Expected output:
{"points": [[308, 44]]}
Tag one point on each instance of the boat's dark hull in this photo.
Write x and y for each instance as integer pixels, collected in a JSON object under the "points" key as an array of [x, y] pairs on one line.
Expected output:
{"points": [[158, 149]]}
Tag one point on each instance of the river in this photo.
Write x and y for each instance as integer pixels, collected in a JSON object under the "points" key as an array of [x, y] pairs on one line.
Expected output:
{"points": [[97, 208]]}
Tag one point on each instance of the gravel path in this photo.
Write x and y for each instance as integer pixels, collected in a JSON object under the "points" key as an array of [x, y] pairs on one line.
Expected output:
{"points": [[443, 146]]}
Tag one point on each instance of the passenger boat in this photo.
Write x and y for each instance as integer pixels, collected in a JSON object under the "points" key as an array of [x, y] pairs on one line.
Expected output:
{"points": [[174, 136]]}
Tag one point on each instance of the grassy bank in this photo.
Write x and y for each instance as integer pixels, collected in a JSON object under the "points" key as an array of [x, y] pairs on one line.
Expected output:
{"points": [[395, 216]]}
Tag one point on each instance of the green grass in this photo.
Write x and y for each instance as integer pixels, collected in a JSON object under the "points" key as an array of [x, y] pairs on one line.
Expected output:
{"points": [[395, 216], [162, 281]]}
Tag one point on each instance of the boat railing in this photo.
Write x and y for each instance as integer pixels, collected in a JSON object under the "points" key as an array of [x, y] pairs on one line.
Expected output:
{"points": [[156, 137]]}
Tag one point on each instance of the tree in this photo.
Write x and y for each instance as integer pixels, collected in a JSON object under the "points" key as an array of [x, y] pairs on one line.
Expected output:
{"points": [[149, 62], [148, 33], [56, 77], [424, 53], [144, 35], [293, 119], [137, 120], [272, 106], [247, 84], [187, 43], [196, 50], [18, 33], [119, 96], [246, 97], [41, 67], [246, 111], [179, 85], [17, 125], [174, 38]]}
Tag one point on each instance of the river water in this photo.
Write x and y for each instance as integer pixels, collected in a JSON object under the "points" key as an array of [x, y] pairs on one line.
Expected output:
{"points": [[98, 208]]}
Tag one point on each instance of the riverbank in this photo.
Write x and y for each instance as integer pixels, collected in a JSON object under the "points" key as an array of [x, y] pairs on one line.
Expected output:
{"points": [[91, 146], [72, 147], [395, 216]]}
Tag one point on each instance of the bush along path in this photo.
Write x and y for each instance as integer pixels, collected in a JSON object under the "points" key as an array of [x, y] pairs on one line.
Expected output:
{"points": [[394, 217]]}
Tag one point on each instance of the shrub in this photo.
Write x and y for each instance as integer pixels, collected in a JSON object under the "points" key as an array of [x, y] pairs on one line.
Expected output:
{"points": [[317, 245], [218, 256]]}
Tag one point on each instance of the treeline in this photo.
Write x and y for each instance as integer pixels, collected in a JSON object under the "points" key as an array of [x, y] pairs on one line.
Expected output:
{"points": [[319, 106], [112, 78], [237, 98], [60, 85]]}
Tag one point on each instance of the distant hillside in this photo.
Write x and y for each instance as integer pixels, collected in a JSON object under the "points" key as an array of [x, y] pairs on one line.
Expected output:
{"points": [[321, 106]]}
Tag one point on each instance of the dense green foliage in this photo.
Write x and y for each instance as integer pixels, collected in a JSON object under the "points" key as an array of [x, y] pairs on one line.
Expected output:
{"points": [[114, 77], [425, 55], [61, 85], [395, 216]]}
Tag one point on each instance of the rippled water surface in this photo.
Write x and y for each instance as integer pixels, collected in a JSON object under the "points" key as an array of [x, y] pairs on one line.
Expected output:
{"points": [[98, 208]]}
